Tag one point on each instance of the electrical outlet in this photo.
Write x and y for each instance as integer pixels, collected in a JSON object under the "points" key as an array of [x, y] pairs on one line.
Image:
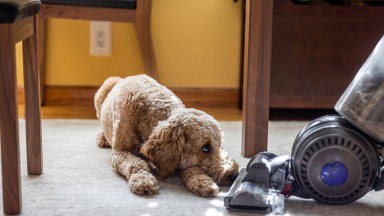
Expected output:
{"points": [[101, 34]]}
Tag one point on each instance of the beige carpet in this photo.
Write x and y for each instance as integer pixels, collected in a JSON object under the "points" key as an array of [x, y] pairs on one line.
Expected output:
{"points": [[78, 178]]}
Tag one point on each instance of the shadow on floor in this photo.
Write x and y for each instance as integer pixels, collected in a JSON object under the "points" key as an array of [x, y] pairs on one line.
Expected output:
{"points": [[298, 114]]}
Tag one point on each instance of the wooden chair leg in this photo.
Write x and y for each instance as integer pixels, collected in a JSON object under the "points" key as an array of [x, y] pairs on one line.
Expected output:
{"points": [[257, 67], [144, 37], [32, 105], [10, 153], [41, 38]]}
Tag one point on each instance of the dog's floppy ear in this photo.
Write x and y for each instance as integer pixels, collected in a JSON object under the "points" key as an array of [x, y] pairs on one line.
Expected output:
{"points": [[164, 147]]}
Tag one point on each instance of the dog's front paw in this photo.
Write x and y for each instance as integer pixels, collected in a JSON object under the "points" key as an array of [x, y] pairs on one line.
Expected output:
{"points": [[143, 183], [203, 187]]}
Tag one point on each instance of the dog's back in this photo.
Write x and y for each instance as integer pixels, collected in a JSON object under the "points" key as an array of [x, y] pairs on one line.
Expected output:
{"points": [[103, 92], [138, 103]]}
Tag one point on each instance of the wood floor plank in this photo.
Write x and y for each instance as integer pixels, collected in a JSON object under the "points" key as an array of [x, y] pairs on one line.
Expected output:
{"points": [[88, 112], [191, 97]]}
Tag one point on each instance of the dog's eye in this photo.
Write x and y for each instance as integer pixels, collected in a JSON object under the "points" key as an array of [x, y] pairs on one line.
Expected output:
{"points": [[206, 148]]}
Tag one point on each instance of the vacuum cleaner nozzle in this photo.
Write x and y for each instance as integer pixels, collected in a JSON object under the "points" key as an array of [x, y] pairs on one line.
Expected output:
{"points": [[259, 187]]}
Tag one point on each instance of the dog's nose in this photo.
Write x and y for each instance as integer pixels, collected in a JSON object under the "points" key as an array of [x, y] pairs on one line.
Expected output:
{"points": [[232, 177]]}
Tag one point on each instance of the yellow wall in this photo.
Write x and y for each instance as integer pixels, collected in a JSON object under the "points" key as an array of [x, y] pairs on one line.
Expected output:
{"points": [[197, 44], [19, 63]]}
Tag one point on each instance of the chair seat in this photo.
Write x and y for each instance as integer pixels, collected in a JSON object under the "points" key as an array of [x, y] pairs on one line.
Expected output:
{"points": [[14, 10], [127, 4]]}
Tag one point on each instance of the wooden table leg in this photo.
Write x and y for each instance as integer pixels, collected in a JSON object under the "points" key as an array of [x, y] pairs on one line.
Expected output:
{"points": [[257, 67], [10, 153], [32, 105], [41, 37]]}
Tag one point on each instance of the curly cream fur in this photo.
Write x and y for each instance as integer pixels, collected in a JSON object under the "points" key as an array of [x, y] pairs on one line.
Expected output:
{"points": [[198, 182], [102, 93], [136, 170], [101, 141], [141, 117]]}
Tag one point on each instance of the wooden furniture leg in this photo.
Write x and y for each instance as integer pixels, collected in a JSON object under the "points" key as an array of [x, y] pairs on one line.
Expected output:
{"points": [[32, 104], [257, 67], [10, 157], [41, 36], [144, 37]]}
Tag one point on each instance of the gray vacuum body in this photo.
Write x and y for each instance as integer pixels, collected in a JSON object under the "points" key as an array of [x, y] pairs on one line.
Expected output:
{"points": [[332, 161]]}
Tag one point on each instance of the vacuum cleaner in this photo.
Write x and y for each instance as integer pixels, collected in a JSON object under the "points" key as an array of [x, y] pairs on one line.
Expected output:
{"points": [[335, 159]]}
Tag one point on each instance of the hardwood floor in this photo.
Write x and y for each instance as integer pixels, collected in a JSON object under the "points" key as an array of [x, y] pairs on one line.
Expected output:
{"points": [[88, 112]]}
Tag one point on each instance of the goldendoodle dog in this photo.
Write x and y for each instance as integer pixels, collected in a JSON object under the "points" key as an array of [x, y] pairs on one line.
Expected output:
{"points": [[144, 122]]}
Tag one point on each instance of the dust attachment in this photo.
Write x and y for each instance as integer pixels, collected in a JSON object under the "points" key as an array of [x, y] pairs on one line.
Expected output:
{"points": [[259, 187]]}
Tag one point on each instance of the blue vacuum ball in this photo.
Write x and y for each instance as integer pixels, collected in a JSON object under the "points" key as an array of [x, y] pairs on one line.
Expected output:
{"points": [[334, 173]]}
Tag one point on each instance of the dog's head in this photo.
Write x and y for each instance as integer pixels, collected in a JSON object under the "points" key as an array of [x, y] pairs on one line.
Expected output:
{"points": [[190, 138]]}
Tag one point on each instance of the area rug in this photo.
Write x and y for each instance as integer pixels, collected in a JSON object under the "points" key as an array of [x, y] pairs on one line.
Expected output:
{"points": [[79, 180]]}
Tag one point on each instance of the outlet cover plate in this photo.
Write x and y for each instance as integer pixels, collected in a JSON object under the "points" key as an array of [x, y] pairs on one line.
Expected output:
{"points": [[101, 38]]}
